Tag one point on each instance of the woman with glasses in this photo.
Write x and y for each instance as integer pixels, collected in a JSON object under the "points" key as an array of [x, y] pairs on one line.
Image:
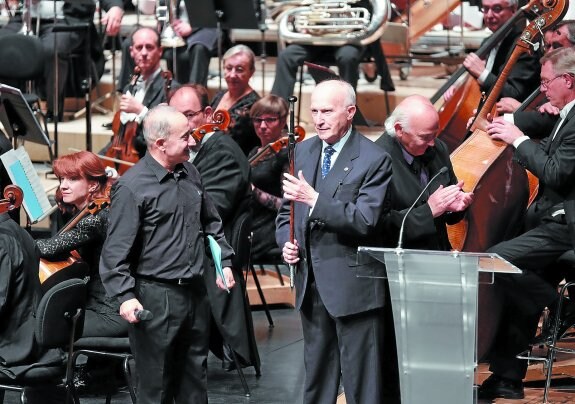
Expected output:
{"points": [[239, 67], [268, 116]]}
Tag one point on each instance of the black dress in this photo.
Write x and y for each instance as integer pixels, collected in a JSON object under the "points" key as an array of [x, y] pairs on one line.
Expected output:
{"points": [[266, 176], [242, 130], [87, 237]]}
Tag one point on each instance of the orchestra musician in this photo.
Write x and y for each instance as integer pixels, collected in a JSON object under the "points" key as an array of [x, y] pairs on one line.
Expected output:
{"points": [[225, 174], [524, 74], [269, 116], [192, 60], [45, 14], [83, 180], [535, 252], [150, 88], [154, 258], [21, 293], [239, 66], [338, 189]]}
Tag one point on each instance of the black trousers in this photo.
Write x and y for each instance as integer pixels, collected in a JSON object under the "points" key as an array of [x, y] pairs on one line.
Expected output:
{"points": [[349, 347], [347, 59], [171, 349], [525, 296]]}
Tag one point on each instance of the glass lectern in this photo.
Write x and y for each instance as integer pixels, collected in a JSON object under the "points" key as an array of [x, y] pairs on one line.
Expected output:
{"points": [[434, 303]]}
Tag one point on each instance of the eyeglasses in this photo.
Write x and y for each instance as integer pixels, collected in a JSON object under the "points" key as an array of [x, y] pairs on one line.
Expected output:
{"points": [[494, 9], [545, 83], [268, 121], [192, 114]]}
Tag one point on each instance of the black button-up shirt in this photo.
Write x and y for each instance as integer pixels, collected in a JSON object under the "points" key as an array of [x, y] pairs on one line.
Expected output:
{"points": [[158, 220]]}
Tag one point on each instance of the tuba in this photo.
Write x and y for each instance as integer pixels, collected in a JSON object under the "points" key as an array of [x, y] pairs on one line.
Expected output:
{"points": [[334, 22], [165, 15]]}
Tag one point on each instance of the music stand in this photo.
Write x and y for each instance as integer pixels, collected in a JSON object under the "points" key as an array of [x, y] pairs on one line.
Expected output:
{"points": [[18, 119], [222, 14]]}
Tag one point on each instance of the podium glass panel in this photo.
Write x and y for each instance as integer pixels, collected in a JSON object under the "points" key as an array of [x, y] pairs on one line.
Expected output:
{"points": [[434, 303]]}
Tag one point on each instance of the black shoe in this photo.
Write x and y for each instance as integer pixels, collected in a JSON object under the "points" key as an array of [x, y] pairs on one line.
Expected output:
{"points": [[567, 321], [499, 387], [107, 125]]}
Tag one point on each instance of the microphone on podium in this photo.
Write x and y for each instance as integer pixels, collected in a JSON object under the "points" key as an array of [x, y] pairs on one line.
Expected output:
{"points": [[400, 240], [143, 315]]}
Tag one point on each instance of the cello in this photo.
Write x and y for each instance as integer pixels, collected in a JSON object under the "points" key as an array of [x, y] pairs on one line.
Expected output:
{"points": [[122, 147], [454, 113], [500, 185], [53, 272]]}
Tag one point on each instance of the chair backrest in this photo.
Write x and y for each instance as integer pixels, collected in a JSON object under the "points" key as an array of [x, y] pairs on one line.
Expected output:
{"points": [[22, 57], [240, 238], [58, 306]]}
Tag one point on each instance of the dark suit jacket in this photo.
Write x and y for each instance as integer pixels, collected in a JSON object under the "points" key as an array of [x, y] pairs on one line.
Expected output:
{"points": [[535, 124], [19, 294], [553, 163], [155, 94], [225, 175], [422, 230], [524, 76], [344, 217]]}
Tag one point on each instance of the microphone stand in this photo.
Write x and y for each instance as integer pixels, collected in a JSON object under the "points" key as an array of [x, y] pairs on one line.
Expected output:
{"points": [[402, 227], [291, 158], [261, 13]]}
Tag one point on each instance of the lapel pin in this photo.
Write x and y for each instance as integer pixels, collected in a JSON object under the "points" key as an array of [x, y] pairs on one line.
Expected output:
{"points": [[346, 169]]}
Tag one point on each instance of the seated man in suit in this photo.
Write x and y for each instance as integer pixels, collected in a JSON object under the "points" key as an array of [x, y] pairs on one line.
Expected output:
{"points": [[20, 294], [45, 14], [535, 252], [522, 79], [150, 88], [225, 174]]}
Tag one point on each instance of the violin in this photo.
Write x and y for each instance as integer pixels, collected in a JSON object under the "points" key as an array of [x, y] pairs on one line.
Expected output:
{"points": [[276, 146], [13, 197], [73, 265], [122, 147], [220, 121]]}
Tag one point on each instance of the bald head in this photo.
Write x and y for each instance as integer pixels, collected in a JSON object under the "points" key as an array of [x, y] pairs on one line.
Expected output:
{"points": [[415, 123]]}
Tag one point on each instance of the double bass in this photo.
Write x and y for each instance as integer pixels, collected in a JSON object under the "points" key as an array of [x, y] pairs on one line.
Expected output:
{"points": [[454, 113], [500, 185]]}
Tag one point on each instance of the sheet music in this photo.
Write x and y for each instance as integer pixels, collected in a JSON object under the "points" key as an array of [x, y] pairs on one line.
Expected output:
{"points": [[22, 173]]}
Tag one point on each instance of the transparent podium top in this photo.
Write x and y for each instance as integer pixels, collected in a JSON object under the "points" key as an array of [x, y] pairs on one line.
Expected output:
{"points": [[486, 262]]}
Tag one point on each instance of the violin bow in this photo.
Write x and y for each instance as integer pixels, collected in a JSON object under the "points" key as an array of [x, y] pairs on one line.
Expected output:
{"points": [[291, 158]]}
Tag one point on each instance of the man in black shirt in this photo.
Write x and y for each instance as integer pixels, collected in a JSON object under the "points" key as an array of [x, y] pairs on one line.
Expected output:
{"points": [[154, 258]]}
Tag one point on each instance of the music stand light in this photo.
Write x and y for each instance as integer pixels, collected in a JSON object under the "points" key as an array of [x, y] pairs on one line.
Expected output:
{"points": [[220, 14]]}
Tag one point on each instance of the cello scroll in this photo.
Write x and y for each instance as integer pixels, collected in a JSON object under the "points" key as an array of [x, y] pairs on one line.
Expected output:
{"points": [[13, 197], [220, 121]]}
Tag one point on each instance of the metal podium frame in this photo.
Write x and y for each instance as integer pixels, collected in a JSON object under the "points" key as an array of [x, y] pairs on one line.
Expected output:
{"points": [[434, 304]]}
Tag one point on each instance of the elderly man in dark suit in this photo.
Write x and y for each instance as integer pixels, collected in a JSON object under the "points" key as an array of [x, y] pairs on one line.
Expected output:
{"points": [[417, 156], [552, 162], [225, 174], [338, 195]]}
